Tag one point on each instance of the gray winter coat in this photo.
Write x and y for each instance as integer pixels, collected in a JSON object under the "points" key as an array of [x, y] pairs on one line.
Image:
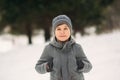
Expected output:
{"points": [[64, 61]]}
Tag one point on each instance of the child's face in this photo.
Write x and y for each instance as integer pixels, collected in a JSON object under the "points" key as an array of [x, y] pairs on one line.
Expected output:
{"points": [[62, 32]]}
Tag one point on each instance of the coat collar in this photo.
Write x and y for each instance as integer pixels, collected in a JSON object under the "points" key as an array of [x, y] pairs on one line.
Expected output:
{"points": [[62, 45]]}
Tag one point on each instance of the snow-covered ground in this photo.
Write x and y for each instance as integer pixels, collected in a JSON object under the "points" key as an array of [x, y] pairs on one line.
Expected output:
{"points": [[17, 59]]}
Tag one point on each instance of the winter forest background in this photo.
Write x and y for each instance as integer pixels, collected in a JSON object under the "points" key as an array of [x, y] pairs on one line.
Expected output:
{"points": [[25, 28]]}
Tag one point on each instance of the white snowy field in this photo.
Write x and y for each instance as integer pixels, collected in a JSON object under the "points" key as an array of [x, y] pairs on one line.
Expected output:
{"points": [[17, 60]]}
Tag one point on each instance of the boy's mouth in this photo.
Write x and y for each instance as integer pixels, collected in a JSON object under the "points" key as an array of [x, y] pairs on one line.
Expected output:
{"points": [[62, 36]]}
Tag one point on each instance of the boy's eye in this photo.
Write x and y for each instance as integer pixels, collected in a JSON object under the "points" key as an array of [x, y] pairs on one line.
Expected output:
{"points": [[65, 28], [58, 29]]}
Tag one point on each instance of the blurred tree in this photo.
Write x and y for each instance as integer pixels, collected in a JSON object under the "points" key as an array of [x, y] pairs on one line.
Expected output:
{"points": [[89, 13], [20, 15], [23, 15], [113, 16]]}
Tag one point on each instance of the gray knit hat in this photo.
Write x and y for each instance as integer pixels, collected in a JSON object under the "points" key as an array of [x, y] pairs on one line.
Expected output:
{"points": [[61, 19]]}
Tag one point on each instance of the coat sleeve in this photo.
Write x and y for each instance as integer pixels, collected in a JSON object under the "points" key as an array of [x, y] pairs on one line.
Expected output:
{"points": [[40, 66], [81, 56]]}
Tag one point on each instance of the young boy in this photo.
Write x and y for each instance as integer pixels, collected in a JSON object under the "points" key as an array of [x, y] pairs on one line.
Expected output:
{"points": [[63, 57]]}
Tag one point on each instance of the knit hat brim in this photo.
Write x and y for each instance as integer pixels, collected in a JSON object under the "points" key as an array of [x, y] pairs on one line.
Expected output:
{"points": [[61, 22]]}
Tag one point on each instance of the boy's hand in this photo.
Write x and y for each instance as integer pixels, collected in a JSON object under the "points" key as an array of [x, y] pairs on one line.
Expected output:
{"points": [[49, 65], [80, 64]]}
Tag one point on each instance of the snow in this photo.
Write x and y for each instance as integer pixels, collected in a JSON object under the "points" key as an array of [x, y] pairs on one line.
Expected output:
{"points": [[17, 59]]}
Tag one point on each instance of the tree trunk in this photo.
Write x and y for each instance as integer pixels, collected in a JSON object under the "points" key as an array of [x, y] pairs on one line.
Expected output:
{"points": [[29, 33], [47, 34]]}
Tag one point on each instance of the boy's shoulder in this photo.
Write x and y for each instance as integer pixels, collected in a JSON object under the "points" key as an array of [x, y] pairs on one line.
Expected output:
{"points": [[48, 46], [77, 45]]}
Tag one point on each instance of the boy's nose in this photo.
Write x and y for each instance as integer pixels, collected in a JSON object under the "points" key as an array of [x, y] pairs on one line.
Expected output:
{"points": [[62, 31]]}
